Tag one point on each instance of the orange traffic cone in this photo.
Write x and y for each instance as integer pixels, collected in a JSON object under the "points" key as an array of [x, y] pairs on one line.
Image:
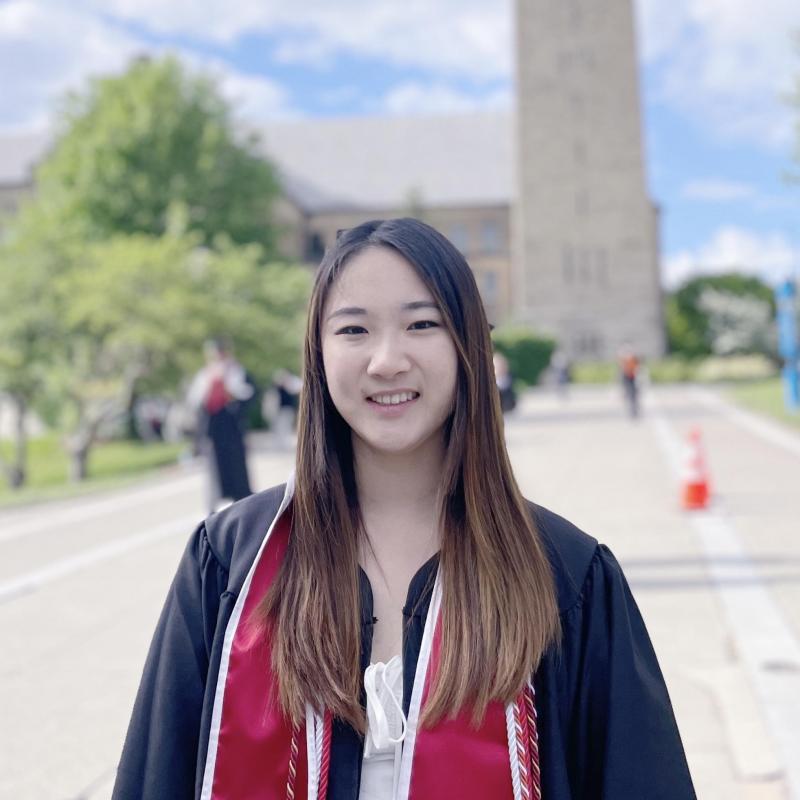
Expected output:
{"points": [[696, 491]]}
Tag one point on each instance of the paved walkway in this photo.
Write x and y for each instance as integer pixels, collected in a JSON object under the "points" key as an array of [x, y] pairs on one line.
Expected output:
{"points": [[81, 584]]}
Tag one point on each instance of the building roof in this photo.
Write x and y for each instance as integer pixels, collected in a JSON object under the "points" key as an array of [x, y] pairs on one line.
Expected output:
{"points": [[382, 162], [19, 153], [363, 162]]}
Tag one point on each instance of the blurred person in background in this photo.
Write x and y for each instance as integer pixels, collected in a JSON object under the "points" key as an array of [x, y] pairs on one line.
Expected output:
{"points": [[629, 373], [218, 394], [505, 382], [287, 386], [562, 375], [397, 620]]}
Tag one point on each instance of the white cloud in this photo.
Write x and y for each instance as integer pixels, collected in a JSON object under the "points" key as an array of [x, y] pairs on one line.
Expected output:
{"points": [[717, 190], [464, 37], [46, 52], [417, 98], [724, 63], [771, 256], [252, 97], [721, 63]]}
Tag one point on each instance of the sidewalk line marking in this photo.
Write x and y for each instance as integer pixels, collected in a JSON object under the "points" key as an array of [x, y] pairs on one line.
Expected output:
{"points": [[49, 518], [31, 581], [763, 640], [769, 431]]}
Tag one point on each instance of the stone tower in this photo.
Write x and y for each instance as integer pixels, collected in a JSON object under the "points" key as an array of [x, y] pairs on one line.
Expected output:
{"points": [[585, 231]]}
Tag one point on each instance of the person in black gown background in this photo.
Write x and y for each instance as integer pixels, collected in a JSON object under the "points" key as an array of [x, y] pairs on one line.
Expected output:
{"points": [[219, 393]]}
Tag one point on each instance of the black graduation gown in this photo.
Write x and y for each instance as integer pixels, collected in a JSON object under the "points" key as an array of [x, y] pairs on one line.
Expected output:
{"points": [[606, 726], [228, 456]]}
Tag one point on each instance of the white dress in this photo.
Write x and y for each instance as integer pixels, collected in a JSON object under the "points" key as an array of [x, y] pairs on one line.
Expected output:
{"points": [[386, 729]]}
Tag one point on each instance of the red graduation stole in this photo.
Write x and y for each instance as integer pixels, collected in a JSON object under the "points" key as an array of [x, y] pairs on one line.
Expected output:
{"points": [[254, 752]]}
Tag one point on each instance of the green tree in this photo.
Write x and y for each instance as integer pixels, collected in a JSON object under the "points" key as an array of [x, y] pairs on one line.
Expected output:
{"points": [[695, 318], [105, 288], [136, 310], [30, 261], [135, 149]]}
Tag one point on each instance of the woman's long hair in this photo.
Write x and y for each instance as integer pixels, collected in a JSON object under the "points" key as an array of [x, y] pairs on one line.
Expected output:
{"points": [[499, 610]]}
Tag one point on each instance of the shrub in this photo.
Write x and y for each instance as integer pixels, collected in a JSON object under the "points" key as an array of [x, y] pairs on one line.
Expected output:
{"points": [[528, 352]]}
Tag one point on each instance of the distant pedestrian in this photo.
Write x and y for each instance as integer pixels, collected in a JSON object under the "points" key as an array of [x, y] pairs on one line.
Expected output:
{"points": [[219, 393], [562, 373], [505, 382], [629, 371], [288, 386]]}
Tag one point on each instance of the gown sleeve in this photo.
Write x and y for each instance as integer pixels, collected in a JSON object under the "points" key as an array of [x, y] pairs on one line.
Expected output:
{"points": [[625, 743], [159, 759]]}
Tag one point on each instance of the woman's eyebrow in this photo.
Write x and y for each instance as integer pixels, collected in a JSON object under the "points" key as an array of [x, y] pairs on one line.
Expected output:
{"points": [[347, 311], [413, 306]]}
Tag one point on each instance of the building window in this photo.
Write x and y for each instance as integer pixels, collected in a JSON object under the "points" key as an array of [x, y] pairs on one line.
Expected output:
{"points": [[579, 153], [577, 105], [588, 344], [490, 236], [574, 13], [567, 264], [581, 203], [489, 281], [601, 266], [585, 266], [458, 236]]}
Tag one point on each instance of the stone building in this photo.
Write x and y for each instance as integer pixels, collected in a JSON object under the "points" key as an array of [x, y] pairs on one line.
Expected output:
{"points": [[565, 174], [585, 232]]}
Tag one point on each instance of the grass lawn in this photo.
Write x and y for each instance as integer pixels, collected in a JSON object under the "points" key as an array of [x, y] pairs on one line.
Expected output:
{"points": [[109, 463], [765, 397]]}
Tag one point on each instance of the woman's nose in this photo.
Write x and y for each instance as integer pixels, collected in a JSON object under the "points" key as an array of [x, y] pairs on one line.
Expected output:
{"points": [[388, 358]]}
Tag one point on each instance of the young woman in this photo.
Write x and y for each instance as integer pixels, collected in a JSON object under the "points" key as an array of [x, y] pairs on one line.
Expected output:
{"points": [[397, 621]]}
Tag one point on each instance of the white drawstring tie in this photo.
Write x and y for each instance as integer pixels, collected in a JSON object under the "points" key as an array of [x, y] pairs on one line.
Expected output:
{"points": [[383, 684]]}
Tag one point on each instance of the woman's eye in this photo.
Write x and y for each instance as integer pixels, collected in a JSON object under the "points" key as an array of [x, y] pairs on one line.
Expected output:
{"points": [[351, 330], [423, 325]]}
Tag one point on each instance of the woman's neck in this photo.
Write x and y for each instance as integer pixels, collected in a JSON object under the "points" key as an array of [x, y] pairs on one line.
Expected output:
{"points": [[398, 483], [398, 495]]}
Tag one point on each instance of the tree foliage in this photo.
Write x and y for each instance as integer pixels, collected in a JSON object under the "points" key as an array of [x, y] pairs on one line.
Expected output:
{"points": [[720, 314], [135, 149], [150, 231], [138, 308], [30, 315]]}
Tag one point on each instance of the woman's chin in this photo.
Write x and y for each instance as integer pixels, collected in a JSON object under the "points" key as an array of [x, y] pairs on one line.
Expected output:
{"points": [[392, 445]]}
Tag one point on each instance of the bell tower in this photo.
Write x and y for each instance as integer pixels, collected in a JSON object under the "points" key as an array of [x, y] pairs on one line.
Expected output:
{"points": [[585, 233]]}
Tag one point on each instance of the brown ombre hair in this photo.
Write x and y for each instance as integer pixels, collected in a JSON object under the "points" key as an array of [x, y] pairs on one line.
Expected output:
{"points": [[499, 610]]}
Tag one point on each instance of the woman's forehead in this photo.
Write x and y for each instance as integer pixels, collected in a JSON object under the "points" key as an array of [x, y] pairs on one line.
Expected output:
{"points": [[378, 276]]}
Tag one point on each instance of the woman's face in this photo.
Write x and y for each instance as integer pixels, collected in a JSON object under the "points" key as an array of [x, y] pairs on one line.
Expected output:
{"points": [[390, 363]]}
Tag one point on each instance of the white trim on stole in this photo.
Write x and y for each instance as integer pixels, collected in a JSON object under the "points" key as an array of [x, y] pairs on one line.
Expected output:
{"points": [[230, 632]]}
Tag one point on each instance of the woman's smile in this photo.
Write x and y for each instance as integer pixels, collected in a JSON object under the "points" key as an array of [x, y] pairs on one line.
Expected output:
{"points": [[392, 403]]}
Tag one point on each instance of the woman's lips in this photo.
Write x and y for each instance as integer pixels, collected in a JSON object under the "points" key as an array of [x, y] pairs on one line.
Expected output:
{"points": [[392, 409]]}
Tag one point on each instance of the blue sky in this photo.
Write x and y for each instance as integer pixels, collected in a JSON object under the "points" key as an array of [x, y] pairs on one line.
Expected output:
{"points": [[718, 135]]}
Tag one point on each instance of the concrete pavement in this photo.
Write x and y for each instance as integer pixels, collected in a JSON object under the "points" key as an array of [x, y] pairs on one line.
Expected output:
{"points": [[81, 584]]}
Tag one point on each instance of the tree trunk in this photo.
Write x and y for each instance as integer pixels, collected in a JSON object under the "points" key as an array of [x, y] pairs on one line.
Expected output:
{"points": [[78, 446], [78, 463], [130, 412], [19, 466], [15, 468]]}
